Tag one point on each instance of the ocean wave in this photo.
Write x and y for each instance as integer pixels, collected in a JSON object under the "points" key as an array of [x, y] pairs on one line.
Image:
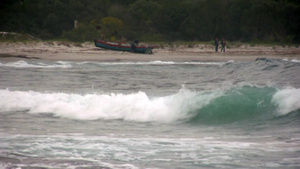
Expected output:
{"points": [[292, 60], [274, 61], [158, 62], [37, 64], [205, 107], [69, 64], [250, 103], [87, 64], [287, 100]]}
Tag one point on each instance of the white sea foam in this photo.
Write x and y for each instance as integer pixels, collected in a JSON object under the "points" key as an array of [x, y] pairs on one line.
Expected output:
{"points": [[287, 100], [157, 62], [25, 64], [295, 61], [66, 64], [132, 107], [292, 60]]}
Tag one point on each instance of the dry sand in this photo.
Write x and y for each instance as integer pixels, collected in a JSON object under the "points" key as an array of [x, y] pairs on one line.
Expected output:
{"points": [[63, 51]]}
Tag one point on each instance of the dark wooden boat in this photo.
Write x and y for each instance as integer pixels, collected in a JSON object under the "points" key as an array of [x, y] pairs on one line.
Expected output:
{"points": [[133, 47]]}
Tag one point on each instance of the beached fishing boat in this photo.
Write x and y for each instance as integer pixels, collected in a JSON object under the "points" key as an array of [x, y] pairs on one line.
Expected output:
{"points": [[119, 46]]}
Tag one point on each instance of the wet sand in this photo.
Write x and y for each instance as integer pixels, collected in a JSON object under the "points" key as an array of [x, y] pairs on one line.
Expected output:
{"points": [[63, 51]]}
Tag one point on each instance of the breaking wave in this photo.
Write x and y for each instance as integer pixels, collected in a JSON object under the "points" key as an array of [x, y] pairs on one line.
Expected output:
{"points": [[205, 107], [68, 64], [24, 64]]}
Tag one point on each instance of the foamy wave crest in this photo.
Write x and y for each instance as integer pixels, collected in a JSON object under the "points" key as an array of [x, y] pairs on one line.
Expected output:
{"points": [[287, 100], [206, 107], [68, 64], [157, 62], [295, 61], [24, 64], [292, 60], [132, 107]]}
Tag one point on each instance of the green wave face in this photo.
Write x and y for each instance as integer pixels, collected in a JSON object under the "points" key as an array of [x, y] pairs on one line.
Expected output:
{"points": [[239, 104]]}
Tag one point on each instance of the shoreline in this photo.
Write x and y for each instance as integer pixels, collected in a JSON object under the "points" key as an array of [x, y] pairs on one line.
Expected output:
{"points": [[62, 51]]}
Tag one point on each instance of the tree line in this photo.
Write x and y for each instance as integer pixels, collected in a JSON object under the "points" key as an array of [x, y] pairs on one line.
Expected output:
{"points": [[155, 20]]}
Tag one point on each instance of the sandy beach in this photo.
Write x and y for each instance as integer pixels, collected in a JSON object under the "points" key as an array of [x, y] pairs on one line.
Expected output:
{"points": [[63, 51]]}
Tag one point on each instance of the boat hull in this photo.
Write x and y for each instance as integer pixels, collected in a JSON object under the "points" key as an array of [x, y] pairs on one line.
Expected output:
{"points": [[123, 47]]}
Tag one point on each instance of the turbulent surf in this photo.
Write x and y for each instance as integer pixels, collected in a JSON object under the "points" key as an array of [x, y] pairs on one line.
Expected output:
{"points": [[150, 114]]}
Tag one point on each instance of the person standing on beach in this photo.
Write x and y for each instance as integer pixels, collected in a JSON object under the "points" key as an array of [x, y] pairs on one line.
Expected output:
{"points": [[223, 44], [217, 44]]}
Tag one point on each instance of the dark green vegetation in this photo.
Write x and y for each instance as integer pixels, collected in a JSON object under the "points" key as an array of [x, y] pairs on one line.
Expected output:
{"points": [[155, 20]]}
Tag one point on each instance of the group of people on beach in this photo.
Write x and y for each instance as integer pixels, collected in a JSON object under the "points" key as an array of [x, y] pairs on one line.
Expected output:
{"points": [[223, 44]]}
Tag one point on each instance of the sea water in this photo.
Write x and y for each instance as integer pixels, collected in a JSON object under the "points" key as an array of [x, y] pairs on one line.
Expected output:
{"points": [[156, 115]]}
